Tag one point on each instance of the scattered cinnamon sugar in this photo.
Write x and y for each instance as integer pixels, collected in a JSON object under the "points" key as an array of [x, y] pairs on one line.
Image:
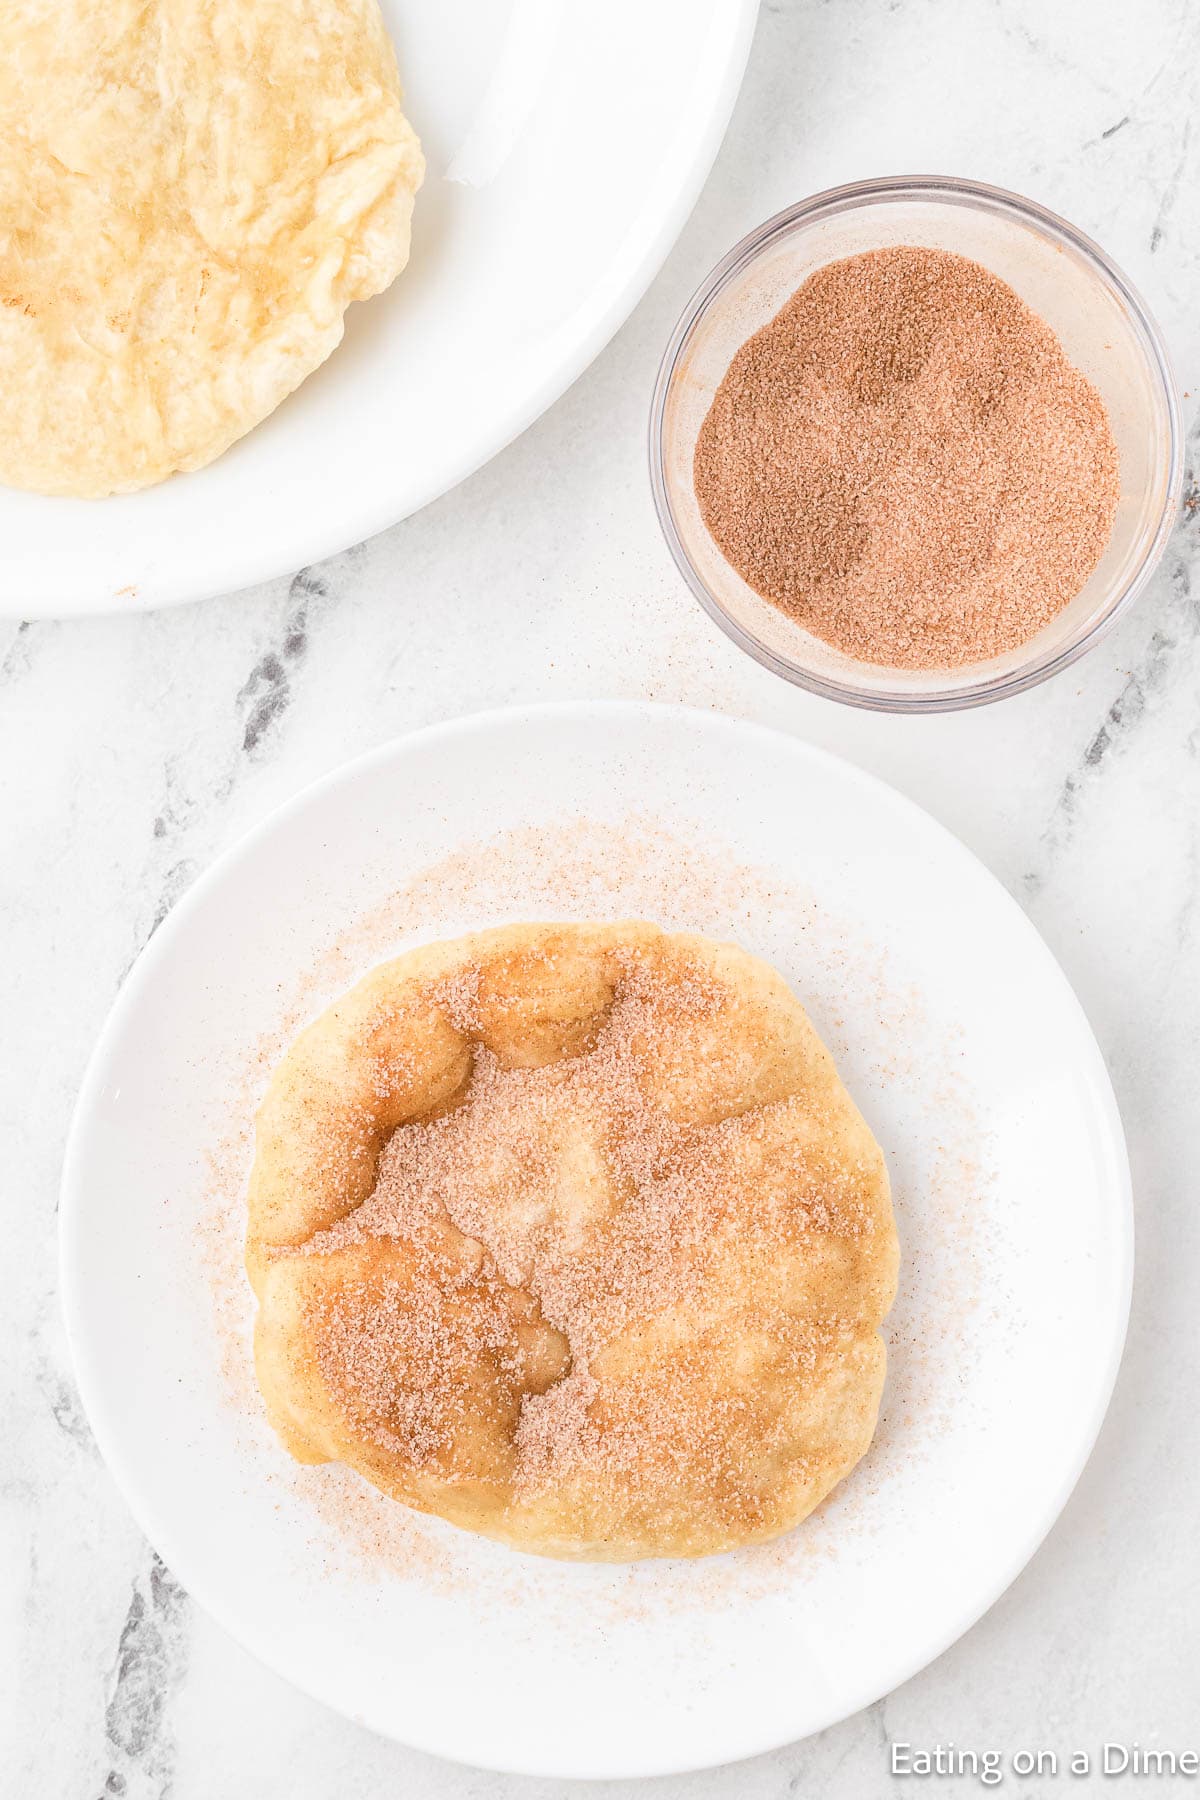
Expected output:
{"points": [[369, 1338], [904, 462], [897, 1057], [480, 1190]]}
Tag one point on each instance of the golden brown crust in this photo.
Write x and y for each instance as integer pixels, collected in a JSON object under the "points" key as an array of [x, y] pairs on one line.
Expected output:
{"points": [[571, 1234]]}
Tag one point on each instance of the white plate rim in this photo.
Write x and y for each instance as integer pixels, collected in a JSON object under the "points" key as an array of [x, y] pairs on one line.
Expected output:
{"points": [[314, 542], [142, 973]]}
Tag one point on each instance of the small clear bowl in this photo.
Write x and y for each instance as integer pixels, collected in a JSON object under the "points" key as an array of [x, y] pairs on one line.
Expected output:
{"points": [[1104, 328]]}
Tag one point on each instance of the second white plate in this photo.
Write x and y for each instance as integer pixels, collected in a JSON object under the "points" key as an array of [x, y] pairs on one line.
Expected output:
{"points": [[953, 1028]]}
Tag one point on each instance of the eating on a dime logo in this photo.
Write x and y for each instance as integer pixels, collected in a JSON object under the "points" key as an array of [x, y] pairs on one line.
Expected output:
{"points": [[991, 1767]]}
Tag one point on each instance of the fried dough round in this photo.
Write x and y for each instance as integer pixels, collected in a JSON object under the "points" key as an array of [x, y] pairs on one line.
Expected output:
{"points": [[572, 1235], [190, 197]]}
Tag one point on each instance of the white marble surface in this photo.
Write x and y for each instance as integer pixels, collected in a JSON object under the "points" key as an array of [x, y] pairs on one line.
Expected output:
{"points": [[133, 750]]}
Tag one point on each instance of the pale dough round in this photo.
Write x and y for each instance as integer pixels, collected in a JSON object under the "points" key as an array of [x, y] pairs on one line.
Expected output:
{"points": [[572, 1235], [191, 194]]}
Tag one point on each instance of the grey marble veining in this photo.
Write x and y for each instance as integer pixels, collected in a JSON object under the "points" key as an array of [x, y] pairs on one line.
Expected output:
{"points": [[132, 750]]}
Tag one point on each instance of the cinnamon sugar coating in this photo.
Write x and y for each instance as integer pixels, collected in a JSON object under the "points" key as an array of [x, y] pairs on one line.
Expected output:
{"points": [[572, 1235], [904, 461]]}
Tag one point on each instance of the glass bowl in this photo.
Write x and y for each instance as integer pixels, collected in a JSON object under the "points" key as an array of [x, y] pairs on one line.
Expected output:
{"points": [[1104, 328]]}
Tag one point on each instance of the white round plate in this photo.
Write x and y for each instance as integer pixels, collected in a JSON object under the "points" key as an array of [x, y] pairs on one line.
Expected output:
{"points": [[953, 1027], [566, 145]]}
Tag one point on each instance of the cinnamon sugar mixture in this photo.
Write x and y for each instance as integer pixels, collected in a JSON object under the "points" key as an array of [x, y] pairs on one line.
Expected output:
{"points": [[904, 462], [570, 1190]]}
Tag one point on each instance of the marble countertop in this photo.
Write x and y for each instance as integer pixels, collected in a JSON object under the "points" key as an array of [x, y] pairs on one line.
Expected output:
{"points": [[133, 750]]}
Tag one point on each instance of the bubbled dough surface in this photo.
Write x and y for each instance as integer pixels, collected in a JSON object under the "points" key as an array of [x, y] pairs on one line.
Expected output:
{"points": [[745, 1402], [191, 194]]}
